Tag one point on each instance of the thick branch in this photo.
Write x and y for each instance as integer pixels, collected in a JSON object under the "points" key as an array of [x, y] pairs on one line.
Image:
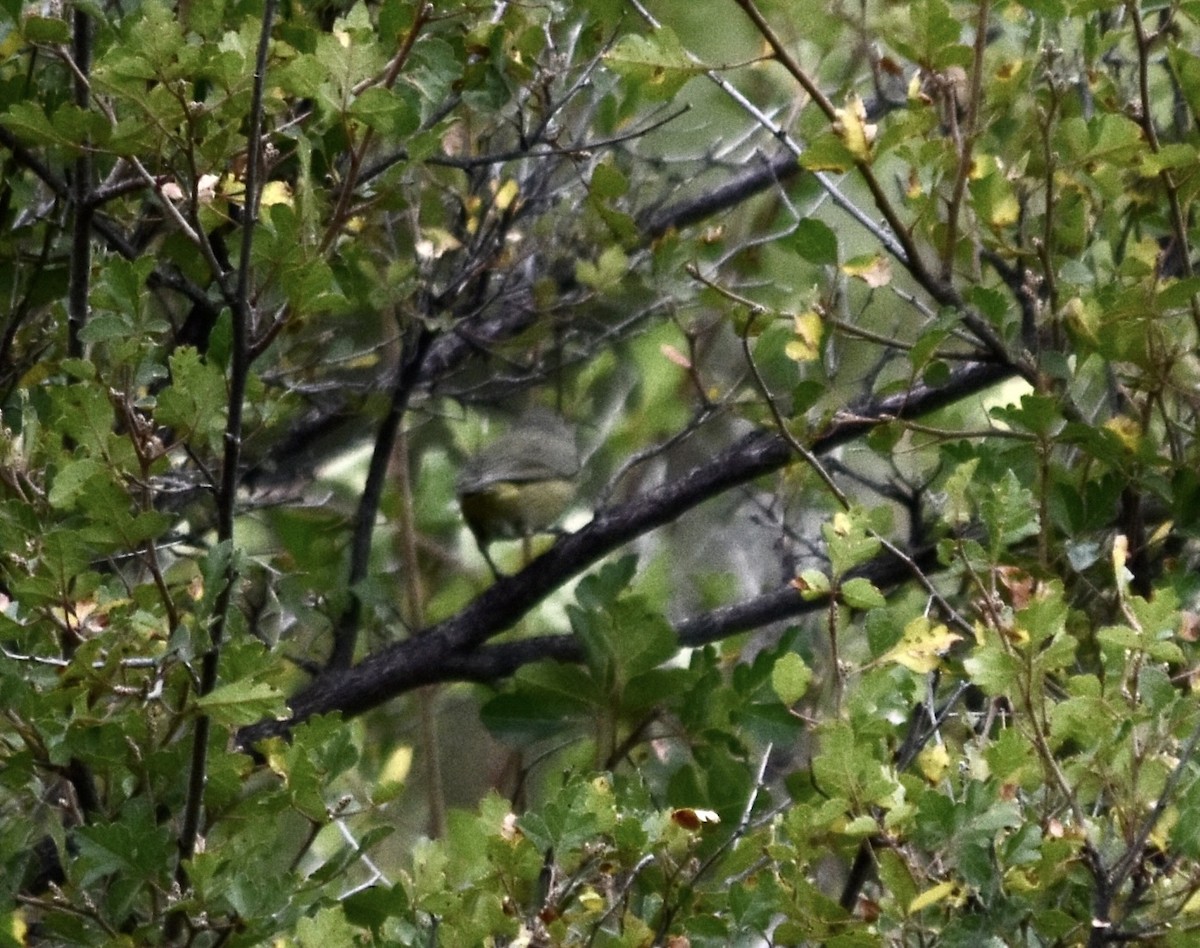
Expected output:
{"points": [[491, 663], [419, 660]]}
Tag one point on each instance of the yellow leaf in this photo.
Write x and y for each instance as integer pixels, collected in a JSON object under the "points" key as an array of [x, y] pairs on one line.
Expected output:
{"points": [[922, 646], [1128, 431], [1005, 212], [805, 346], [981, 167], [398, 765], [1120, 553], [941, 892], [592, 901], [17, 927], [916, 92], [507, 194], [852, 128], [435, 242], [915, 189], [1009, 70], [873, 271], [933, 762], [1083, 319], [230, 186], [1019, 880], [275, 192]]}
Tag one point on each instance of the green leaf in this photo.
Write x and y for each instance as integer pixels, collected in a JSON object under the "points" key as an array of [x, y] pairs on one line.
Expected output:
{"points": [[621, 639], [929, 34], [607, 272], [655, 688], [995, 671], [195, 399], [1053, 10], [543, 701], [767, 721], [644, 639], [243, 702], [106, 327], [827, 153], [812, 584], [371, 907], [658, 64], [602, 588], [134, 846], [860, 593], [30, 124], [1079, 719], [1037, 414], [850, 543], [814, 240], [895, 876], [1185, 833], [1009, 512], [790, 677], [608, 182], [71, 481], [391, 112], [39, 29], [327, 928]]}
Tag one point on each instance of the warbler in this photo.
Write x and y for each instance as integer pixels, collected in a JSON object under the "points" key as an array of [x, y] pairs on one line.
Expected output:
{"points": [[521, 483]]}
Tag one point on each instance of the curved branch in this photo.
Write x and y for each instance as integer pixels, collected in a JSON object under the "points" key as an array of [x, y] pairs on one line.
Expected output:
{"points": [[419, 660]]}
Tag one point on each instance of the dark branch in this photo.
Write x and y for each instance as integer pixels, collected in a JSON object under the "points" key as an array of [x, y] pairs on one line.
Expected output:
{"points": [[346, 635], [729, 195], [491, 663], [425, 657]]}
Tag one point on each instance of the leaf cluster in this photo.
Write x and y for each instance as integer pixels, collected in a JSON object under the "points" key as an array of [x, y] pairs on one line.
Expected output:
{"points": [[874, 616]]}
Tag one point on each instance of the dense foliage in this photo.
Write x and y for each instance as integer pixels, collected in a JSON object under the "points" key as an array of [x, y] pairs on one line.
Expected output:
{"points": [[875, 616]]}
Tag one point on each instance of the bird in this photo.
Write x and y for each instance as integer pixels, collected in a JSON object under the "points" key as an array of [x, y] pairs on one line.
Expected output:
{"points": [[520, 484]]}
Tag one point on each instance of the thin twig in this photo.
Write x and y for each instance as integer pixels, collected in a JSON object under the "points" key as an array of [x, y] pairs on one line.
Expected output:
{"points": [[814, 464], [227, 492]]}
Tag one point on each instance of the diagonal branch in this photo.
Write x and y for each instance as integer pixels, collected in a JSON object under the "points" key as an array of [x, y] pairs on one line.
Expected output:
{"points": [[420, 659]]}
